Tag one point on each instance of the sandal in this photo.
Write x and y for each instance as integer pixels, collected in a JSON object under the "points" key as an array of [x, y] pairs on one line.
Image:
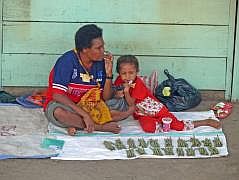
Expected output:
{"points": [[222, 109]]}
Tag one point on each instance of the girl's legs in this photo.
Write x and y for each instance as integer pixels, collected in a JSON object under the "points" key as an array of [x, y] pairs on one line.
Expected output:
{"points": [[207, 122], [147, 123], [180, 125]]}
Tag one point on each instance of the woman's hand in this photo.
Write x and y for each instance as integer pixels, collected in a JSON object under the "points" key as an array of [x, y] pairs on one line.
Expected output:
{"points": [[108, 57]]}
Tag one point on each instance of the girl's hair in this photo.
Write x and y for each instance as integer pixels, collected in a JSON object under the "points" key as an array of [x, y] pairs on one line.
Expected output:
{"points": [[127, 59]]}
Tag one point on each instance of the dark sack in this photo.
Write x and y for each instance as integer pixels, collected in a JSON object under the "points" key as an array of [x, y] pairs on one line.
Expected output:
{"points": [[177, 94]]}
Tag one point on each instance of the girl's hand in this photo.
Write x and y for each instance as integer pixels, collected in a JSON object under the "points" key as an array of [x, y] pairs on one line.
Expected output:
{"points": [[126, 87]]}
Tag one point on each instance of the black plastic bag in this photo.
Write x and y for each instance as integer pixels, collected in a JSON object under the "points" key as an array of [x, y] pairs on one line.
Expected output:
{"points": [[177, 94]]}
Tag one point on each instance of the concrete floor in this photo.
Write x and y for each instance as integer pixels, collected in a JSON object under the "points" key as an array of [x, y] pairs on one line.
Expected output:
{"points": [[224, 168]]}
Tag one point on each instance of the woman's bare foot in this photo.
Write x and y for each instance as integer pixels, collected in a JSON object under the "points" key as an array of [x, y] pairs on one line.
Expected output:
{"points": [[108, 127], [71, 131]]}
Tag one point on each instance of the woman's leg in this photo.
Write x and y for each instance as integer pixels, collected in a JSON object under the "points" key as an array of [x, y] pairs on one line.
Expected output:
{"points": [[65, 117], [68, 118]]}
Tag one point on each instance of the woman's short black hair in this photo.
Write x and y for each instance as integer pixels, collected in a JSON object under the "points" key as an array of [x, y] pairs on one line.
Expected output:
{"points": [[85, 35], [127, 59]]}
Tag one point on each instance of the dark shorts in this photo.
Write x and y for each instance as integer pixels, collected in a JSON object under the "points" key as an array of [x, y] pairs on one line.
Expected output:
{"points": [[49, 113]]}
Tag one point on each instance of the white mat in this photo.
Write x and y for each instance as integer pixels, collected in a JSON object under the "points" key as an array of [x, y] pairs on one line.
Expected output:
{"points": [[23, 130], [90, 146]]}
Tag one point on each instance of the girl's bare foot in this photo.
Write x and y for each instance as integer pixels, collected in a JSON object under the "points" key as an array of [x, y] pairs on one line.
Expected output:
{"points": [[214, 123], [108, 127]]}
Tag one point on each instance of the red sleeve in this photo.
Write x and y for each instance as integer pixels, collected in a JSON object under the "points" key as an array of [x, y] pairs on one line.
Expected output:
{"points": [[118, 81], [52, 88]]}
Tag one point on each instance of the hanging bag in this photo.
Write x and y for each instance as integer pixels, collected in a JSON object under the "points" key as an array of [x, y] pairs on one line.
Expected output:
{"points": [[177, 94]]}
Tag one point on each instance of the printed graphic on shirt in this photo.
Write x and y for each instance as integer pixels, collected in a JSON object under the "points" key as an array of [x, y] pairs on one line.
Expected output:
{"points": [[74, 75], [149, 106], [86, 77], [99, 76]]}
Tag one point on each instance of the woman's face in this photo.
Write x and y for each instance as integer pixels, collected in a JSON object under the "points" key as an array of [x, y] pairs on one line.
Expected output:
{"points": [[96, 51], [127, 72]]}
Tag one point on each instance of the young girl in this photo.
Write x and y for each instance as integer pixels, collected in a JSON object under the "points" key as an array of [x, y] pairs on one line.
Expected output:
{"points": [[147, 108]]}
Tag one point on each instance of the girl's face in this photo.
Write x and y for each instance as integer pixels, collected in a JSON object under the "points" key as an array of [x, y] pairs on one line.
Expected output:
{"points": [[127, 72]]}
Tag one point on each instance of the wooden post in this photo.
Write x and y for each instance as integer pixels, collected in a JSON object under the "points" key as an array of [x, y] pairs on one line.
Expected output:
{"points": [[235, 81], [231, 46]]}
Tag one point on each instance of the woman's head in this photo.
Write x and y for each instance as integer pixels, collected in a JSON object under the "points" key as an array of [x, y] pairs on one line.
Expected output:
{"points": [[89, 40], [85, 35], [127, 67]]}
